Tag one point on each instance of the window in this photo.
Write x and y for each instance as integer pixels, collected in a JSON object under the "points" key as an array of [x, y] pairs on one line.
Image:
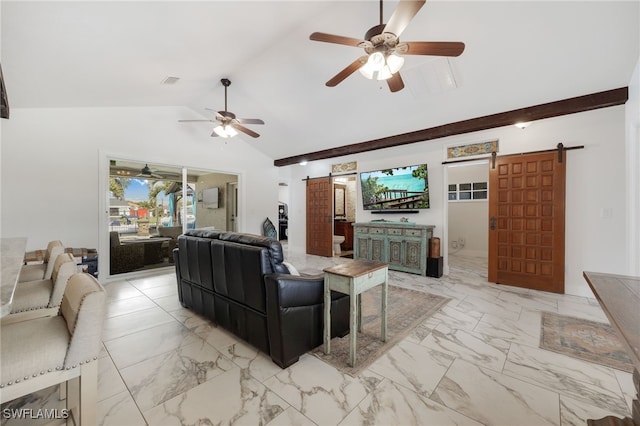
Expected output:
{"points": [[468, 191]]}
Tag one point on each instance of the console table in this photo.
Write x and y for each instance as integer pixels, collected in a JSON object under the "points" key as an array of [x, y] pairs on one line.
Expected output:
{"points": [[354, 278], [619, 297], [404, 246]]}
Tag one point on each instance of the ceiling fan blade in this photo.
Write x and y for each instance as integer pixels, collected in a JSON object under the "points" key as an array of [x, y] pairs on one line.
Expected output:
{"points": [[401, 17], [350, 69], [395, 82], [249, 121], [243, 129], [191, 121], [435, 48], [336, 39]]}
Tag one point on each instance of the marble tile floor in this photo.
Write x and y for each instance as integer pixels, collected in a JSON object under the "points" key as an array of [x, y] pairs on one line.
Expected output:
{"points": [[475, 362]]}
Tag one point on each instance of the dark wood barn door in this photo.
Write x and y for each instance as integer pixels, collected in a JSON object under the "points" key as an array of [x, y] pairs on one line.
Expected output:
{"points": [[527, 221], [320, 217]]}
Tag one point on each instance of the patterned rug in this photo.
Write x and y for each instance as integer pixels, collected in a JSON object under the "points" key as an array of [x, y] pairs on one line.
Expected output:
{"points": [[406, 309], [583, 339]]}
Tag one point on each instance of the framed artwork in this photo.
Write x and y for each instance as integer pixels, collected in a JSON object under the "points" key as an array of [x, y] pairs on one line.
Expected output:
{"points": [[344, 167], [469, 150]]}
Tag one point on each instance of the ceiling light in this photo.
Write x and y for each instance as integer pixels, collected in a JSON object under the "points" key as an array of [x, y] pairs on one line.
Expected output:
{"points": [[381, 67], [522, 125], [303, 162], [225, 131]]}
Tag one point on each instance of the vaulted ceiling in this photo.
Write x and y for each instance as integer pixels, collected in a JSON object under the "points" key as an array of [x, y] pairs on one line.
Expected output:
{"points": [[116, 54]]}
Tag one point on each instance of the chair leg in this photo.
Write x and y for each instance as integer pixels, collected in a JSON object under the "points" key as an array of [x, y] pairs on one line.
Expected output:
{"points": [[82, 395]]}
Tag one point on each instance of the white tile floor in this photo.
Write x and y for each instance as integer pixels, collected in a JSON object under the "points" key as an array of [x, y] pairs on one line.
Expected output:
{"points": [[476, 361]]}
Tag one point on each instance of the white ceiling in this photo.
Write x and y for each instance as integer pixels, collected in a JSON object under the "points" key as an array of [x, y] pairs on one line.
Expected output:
{"points": [[111, 54]]}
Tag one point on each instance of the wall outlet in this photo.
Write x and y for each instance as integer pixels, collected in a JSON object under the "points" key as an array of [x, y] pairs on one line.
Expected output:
{"points": [[454, 244]]}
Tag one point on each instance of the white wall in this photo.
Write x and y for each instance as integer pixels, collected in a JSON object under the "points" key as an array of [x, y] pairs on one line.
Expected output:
{"points": [[633, 172], [52, 161], [595, 185]]}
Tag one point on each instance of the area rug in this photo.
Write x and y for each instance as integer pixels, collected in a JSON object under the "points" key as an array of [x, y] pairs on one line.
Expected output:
{"points": [[583, 339], [406, 309]]}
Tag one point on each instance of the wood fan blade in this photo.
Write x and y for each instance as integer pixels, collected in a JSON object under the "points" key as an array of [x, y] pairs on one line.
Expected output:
{"points": [[243, 129], [250, 121], [435, 48], [401, 17], [350, 69], [395, 82], [336, 39]]}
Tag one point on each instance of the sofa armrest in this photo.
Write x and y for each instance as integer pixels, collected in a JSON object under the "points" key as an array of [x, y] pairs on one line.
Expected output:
{"points": [[295, 315], [295, 290]]}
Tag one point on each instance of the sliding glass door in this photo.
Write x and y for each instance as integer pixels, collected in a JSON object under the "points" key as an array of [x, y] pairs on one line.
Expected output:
{"points": [[150, 205]]}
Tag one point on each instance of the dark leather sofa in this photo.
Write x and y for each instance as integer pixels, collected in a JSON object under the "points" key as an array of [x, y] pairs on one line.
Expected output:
{"points": [[239, 282]]}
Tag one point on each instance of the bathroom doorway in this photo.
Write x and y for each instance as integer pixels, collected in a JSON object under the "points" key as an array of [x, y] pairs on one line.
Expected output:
{"points": [[344, 214]]}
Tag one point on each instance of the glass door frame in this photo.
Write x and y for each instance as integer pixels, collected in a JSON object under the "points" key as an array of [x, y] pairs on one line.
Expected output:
{"points": [[104, 204]]}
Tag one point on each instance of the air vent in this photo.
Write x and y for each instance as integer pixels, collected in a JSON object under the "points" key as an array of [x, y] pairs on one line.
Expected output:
{"points": [[433, 76], [170, 80]]}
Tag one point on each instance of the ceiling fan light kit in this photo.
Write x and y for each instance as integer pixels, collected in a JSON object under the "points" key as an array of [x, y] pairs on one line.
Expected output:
{"points": [[225, 131], [383, 48], [381, 67]]}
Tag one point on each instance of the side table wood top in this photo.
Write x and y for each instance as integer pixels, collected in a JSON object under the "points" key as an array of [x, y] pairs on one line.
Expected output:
{"points": [[356, 268]]}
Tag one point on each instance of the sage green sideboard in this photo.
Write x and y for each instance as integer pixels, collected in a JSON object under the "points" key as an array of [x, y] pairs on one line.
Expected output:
{"points": [[404, 246]]}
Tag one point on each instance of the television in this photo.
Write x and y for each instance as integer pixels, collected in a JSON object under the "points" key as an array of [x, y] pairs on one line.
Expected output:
{"points": [[399, 189], [210, 198]]}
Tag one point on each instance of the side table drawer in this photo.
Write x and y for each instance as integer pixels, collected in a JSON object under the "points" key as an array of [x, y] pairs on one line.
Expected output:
{"points": [[372, 279]]}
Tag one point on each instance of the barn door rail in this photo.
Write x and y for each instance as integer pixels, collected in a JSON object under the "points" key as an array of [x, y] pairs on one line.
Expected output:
{"points": [[330, 175], [559, 149]]}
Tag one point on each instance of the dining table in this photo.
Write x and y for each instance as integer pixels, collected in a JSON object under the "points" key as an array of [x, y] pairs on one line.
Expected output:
{"points": [[12, 252]]}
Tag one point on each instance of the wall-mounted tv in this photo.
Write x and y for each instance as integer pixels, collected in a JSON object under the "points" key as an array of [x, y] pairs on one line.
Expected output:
{"points": [[399, 189]]}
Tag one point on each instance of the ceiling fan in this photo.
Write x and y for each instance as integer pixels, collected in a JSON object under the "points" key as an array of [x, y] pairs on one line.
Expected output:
{"points": [[148, 173], [383, 47], [228, 124]]}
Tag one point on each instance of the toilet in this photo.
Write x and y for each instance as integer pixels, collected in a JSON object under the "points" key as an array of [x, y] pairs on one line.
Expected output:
{"points": [[337, 240]]}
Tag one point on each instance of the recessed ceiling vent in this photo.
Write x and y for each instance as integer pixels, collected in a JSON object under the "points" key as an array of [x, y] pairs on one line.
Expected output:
{"points": [[170, 80]]}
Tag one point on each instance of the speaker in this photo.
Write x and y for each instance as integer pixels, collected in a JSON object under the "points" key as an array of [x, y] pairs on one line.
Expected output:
{"points": [[434, 267]]}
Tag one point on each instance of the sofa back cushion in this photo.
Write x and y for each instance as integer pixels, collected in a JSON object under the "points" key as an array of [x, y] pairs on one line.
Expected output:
{"points": [[194, 258], [238, 271], [273, 247]]}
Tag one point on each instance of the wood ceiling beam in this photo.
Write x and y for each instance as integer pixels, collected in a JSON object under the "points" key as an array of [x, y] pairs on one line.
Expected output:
{"points": [[584, 103]]}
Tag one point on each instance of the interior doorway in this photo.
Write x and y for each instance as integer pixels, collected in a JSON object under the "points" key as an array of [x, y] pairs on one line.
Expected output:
{"points": [[468, 215], [331, 212]]}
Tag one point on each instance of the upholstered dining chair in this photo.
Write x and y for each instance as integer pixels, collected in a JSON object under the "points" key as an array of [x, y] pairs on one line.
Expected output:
{"points": [[63, 349], [42, 271], [33, 299]]}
